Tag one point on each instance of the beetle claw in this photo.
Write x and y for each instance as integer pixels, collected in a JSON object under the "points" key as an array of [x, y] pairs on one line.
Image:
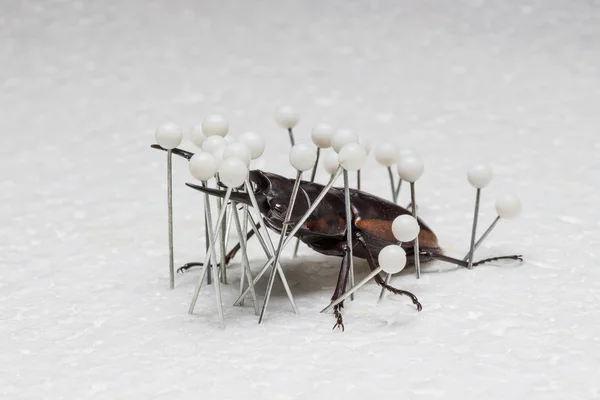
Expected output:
{"points": [[419, 306], [182, 270], [187, 266], [339, 326], [339, 320], [392, 289]]}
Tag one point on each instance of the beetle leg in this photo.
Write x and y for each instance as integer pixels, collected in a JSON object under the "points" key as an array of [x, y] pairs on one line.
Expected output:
{"points": [[340, 288], [380, 281], [228, 257]]}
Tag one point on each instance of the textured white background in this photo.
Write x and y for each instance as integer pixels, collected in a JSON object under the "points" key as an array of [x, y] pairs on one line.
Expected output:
{"points": [[85, 309]]}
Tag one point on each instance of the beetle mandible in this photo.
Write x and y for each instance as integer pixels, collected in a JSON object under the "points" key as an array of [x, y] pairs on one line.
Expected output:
{"points": [[325, 230]]}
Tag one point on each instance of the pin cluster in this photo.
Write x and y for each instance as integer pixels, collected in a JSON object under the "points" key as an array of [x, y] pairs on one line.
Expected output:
{"points": [[222, 165]]}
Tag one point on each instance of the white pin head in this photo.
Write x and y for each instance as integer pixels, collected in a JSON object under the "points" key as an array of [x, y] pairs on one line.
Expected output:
{"points": [[386, 154], [411, 168], [508, 206], [365, 144], [203, 166], [480, 175], [392, 259], [213, 143], [168, 135], [215, 124], [232, 172], [254, 142], [321, 135], [331, 161], [197, 136], [405, 228], [352, 157], [237, 150], [342, 137], [287, 117], [303, 156]]}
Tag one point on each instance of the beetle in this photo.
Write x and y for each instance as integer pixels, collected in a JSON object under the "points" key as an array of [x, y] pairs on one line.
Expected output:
{"points": [[325, 229]]}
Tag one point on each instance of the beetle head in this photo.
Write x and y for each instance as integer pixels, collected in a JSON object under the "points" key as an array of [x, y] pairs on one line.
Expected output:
{"points": [[272, 193], [275, 191], [260, 186]]}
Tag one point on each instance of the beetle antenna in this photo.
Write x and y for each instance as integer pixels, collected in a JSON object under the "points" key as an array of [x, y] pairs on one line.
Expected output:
{"points": [[518, 257], [462, 263]]}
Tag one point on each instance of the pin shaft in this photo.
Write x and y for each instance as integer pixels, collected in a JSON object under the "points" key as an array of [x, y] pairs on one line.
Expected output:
{"points": [[388, 279], [398, 188], [243, 239], [229, 216], [211, 258], [474, 231], [222, 239], [206, 266], [170, 217], [352, 290], [246, 273], [270, 250], [485, 235], [263, 244], [206, 238], [312, 179], [314, 170], [416, 242], [349, 228], [391, 175], [296, 247], [288, 216]]}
